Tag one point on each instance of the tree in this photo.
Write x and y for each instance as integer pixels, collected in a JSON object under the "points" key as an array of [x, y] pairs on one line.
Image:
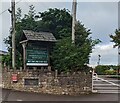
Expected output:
{"points": [[116, 38], [73, 57], [18, 15], [66, 56], [7, 60], [57, 21]]}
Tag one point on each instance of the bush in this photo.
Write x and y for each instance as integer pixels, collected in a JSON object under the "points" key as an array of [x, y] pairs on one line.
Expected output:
{"points": [[100, 69], [106, 69], [110, 72]]}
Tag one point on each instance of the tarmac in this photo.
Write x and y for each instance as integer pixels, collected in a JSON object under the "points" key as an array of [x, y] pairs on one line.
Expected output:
{"points": [[11, 96]]}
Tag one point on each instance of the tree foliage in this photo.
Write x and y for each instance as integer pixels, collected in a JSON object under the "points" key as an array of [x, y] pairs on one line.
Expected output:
{"points": [[106, 69], [58, 22], [73, 57], [116, 38]]}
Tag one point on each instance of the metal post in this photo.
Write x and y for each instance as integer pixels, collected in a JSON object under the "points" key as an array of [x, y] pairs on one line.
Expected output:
{"points": [[93, 91], [73, 20], [99, 59], [13, 33], [92, 80]]}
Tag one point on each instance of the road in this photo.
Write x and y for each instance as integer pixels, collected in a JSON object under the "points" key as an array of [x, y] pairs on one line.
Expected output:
{"points": [[10, 95], [106, 85]]}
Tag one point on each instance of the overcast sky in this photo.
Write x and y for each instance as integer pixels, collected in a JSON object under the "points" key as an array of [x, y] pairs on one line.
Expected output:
{"points": [[100, 17]]}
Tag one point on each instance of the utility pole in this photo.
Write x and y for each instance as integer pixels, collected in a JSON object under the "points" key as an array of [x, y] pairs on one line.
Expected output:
{"points": [[118, 45], [74, 7], [13, 32]]}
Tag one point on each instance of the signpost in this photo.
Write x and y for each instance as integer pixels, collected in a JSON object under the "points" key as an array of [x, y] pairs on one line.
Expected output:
{"points": [[37, 55]]}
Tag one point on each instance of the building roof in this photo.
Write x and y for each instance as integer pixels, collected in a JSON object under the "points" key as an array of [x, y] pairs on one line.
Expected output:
{"points": [[39, 36], [3, 52]]}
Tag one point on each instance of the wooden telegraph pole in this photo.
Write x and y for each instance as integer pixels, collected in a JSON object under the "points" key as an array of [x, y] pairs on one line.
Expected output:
{"points": [[13, 32], [118, 45], [74, 7]]}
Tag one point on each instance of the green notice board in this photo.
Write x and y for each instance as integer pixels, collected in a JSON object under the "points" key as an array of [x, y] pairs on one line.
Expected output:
{"points": [[37, 55]]}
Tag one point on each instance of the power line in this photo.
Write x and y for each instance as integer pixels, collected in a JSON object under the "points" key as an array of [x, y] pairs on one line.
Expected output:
{"points": [[9, 7]]}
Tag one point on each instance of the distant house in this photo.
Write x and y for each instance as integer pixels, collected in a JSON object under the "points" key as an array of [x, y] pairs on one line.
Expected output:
{"points": [[2, 53]]}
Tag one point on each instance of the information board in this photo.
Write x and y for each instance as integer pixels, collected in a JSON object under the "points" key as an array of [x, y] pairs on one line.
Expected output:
{"points": [[37, 55]]}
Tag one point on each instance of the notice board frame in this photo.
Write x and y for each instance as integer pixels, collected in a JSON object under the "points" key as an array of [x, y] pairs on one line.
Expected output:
{"points": [[31, 78]]}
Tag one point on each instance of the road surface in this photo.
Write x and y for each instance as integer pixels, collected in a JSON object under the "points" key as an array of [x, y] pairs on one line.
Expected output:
{"points": [[10, 95], [106, 85]]}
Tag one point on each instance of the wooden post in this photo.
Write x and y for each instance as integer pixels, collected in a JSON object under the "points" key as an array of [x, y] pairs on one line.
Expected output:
{"points": [[56, 73], [48, 51], [24, 55], [73, 20], [118, 59], [48, 54]]}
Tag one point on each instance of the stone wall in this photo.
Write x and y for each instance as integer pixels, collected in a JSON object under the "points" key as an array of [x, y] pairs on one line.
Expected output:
{"points": [[49, 82]]}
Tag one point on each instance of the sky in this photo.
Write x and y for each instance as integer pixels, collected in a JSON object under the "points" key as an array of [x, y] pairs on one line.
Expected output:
{"points": [[100, 17]]}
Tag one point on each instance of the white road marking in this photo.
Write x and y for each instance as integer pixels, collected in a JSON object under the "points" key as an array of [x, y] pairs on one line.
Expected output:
{"points": [[1, 85], [19, 100], [107, 81]]}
